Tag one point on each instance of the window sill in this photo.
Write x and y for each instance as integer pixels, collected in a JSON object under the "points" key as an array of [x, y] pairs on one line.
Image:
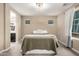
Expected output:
{"points": [[75, 38], [75, 33]]}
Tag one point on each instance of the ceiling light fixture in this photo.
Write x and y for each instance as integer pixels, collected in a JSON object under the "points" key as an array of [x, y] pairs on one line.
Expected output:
{"points": [[39, 4]]}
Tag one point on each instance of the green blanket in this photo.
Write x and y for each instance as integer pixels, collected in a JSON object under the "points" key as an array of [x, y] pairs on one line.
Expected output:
{"points": [[39, 42]]}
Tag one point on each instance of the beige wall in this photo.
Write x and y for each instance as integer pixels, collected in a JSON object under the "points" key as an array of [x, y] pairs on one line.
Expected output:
{"points": [[1, 26], [38, 22], [4, 27], [7, 26], [64, 24], [18, 27], [61, 28]]}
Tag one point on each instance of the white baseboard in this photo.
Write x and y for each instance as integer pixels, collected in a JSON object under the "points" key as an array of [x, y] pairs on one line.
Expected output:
{"points": [[5, 50], [62, 43], [75, 50]]}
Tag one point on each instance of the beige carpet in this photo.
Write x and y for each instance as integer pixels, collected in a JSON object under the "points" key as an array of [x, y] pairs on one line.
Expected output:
{"points": [[16, 51]]}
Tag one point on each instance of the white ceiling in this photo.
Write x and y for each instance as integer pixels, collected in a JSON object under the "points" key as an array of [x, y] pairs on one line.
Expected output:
{"points": [[48, 9]]}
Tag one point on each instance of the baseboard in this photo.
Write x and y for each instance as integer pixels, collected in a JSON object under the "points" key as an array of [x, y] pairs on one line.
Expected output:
{"points": [[70, 48], [5, 50], [75, 50], [62, 43]]}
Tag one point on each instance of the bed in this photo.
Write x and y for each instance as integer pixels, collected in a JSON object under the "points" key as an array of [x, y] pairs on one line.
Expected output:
{"points": [[39, 41]]}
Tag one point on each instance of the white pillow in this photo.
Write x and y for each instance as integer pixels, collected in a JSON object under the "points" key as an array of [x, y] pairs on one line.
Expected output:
{"points": [[39, 31]]}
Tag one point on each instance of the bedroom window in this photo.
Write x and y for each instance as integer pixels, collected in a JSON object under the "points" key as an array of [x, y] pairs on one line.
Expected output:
{"points": [[75, 28], [27, 21], [50, 21]]}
